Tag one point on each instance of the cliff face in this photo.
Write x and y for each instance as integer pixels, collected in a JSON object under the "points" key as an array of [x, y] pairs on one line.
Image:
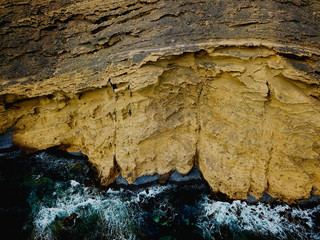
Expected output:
{"points": [[147, 87]]}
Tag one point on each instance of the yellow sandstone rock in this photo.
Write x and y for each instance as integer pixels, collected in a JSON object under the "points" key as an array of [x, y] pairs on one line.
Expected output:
{"points": [[150, 86], [244, 116]]}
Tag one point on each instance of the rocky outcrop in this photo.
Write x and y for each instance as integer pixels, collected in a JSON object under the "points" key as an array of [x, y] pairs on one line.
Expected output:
{"points": [[146, 87]]}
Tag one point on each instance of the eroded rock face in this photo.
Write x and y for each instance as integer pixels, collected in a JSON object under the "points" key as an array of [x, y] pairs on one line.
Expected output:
{"points": [[153, 86]]}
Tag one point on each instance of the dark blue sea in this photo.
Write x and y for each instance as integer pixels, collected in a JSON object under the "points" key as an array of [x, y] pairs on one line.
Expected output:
{"points": [[55, 195]]}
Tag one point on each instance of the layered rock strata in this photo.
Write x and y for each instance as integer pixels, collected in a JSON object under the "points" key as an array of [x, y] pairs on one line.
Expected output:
{"points": [[146, 87]]}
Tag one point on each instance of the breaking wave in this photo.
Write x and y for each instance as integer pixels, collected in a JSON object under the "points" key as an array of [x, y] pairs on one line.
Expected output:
{"points": [[112, 215], [75, 210], [52, 195], [261, 220]]}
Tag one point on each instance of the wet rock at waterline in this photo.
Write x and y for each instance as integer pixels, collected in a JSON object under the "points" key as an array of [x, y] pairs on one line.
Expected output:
{"points": [[173, 176], [150, 87], [55, 195]]}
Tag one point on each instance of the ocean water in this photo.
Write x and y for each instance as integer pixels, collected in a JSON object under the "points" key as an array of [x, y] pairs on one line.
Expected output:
{"points": [[55, 195]]}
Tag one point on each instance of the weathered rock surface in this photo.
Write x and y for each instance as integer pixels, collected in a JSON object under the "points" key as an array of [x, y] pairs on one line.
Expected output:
{"points": [[146, 87]]}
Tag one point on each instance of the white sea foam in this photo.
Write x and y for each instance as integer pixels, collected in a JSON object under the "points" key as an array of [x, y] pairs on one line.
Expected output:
{"points": [[119, 217], [153, 191], [43, 219], [280, 221]]}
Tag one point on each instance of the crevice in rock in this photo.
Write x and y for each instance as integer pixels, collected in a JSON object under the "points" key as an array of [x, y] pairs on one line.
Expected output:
{"points": [[198, 130], [116, 169], [196, 157], [268, 170], [114, 86], [268, 97]]}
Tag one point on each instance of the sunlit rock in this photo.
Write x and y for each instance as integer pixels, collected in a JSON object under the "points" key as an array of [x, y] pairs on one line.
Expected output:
{"points": [[150, 87]]}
